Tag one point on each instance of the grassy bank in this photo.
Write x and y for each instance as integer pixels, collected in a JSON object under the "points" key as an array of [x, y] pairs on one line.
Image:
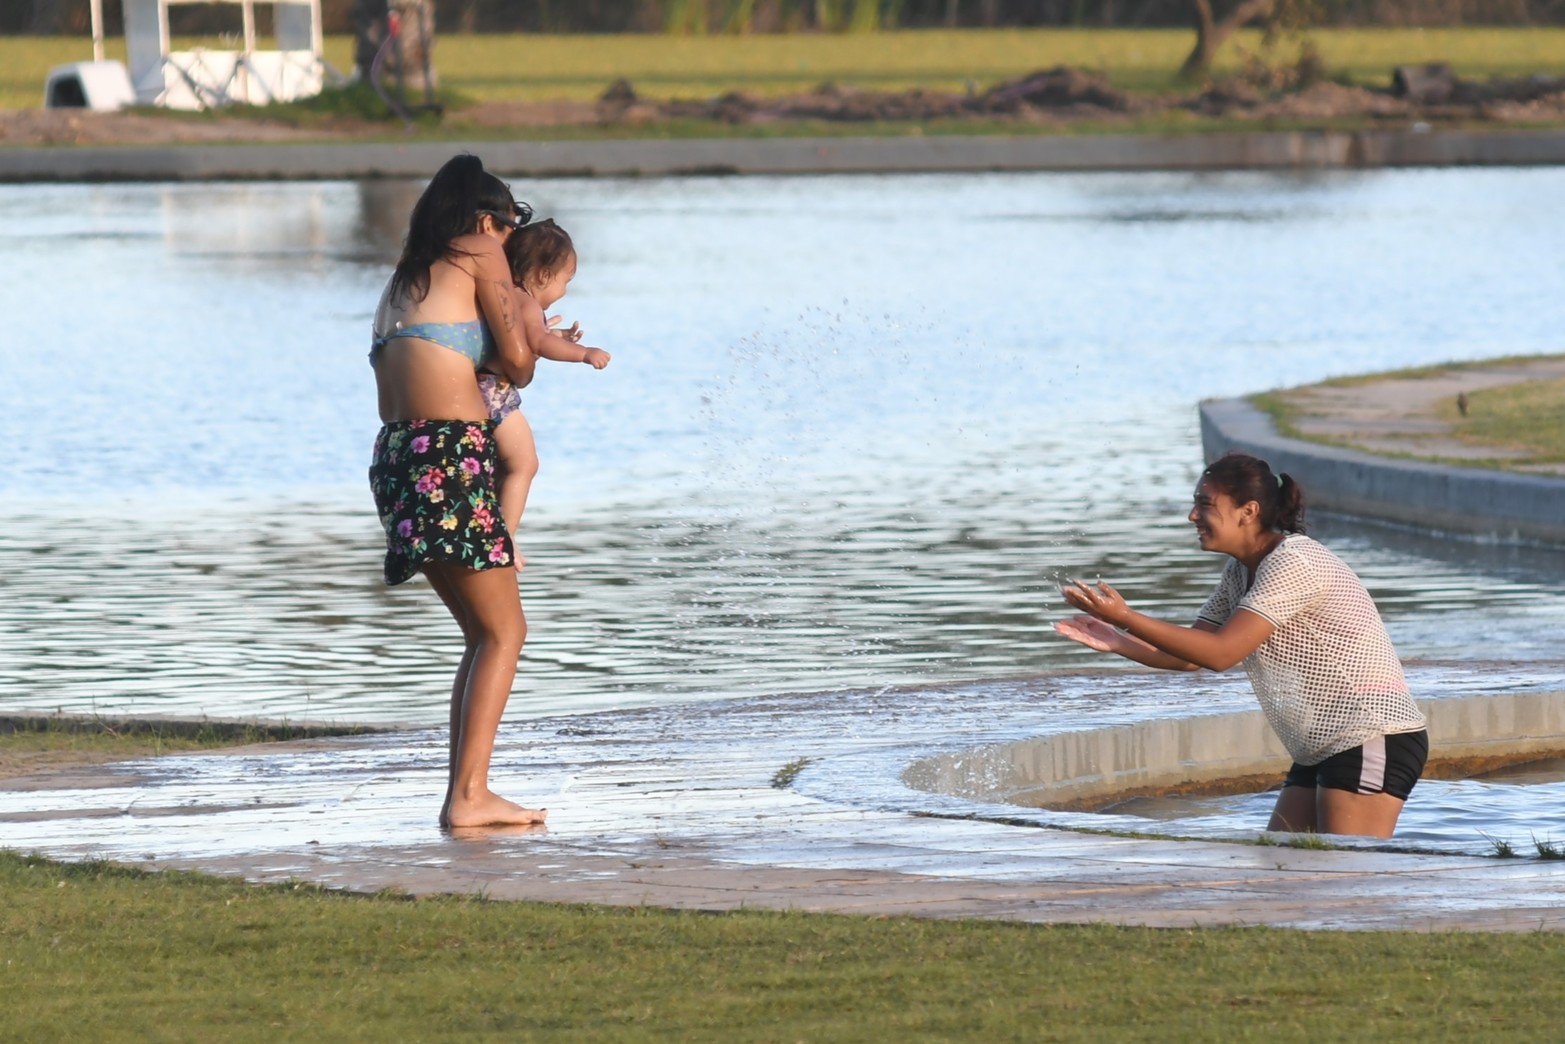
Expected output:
{"points": [[532, 68], [97, 952], [39, 740], [1527, 417], [1525, 420]]}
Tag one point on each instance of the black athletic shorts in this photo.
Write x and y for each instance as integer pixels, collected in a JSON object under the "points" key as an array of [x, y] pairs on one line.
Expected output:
{"points": [[1383, 765]]}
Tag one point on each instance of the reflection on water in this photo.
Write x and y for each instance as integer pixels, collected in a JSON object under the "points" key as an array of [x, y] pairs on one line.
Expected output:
{"points": [[855, 432]]}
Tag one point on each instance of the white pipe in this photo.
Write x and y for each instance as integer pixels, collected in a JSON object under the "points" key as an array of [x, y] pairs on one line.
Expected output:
{"points": [[248, 12], [97, 30]]}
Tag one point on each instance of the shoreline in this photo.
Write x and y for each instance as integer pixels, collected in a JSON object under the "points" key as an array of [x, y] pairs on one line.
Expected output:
{"points": [[651, 157], [700, 821], [1388, 412]]}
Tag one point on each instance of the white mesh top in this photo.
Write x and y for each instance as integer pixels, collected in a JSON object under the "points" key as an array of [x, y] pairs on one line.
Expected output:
{"points": [[1327, 678]]}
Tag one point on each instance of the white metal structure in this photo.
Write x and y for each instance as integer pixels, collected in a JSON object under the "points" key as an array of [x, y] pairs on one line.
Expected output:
{"points": [[100, 85], [201, 79]]}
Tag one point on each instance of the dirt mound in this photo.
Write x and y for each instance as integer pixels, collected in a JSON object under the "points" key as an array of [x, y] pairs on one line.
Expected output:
{"points": [[1059, 88], [1332, 100], [82, 127]]}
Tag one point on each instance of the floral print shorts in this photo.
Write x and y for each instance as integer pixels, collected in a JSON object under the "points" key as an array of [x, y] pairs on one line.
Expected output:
{"points": [[434, 486], [500, 396]]}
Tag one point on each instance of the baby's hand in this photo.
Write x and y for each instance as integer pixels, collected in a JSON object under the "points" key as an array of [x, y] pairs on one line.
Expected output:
{"points": [[572, 334], [597, 358]]}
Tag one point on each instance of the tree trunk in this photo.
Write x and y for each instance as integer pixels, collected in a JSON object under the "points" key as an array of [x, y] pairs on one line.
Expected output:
{"points": [[408, 69], [369, 32], [1210, 33], [415, 47]]}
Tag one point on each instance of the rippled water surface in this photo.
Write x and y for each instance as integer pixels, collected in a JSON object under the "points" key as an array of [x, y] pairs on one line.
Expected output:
{"points": [[854, 432]]}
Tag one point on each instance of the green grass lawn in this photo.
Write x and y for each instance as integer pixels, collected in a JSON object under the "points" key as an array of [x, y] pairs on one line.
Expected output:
{"points": [[94, 952], [1528, 416], [537, 67]]}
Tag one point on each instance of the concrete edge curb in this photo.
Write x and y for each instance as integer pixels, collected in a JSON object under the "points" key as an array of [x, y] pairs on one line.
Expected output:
{"points": [[1489, 505], [1261, 150], [1101, 763]]}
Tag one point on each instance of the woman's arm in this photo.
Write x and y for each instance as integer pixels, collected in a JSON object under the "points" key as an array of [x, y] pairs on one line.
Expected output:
{"points": [[1216, 650], [484, 260], [1095, 634]]}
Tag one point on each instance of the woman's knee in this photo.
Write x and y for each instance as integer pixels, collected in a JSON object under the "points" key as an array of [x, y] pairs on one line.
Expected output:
{"points": [[495, 615], [508, 635]]}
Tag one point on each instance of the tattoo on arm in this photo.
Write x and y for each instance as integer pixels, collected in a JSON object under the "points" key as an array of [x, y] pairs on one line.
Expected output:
{"points": [[507, 316]]}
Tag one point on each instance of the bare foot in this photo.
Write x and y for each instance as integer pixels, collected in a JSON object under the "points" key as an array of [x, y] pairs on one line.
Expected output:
{"points": [[487, 809]]}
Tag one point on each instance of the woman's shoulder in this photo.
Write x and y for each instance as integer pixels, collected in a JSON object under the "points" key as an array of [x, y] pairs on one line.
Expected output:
{"points": [[477, 243], [474, 252], [1299, 553], [474, 246]]}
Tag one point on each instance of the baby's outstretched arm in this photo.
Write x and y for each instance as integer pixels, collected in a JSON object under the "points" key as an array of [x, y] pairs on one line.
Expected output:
{"points": [[548, 344]]}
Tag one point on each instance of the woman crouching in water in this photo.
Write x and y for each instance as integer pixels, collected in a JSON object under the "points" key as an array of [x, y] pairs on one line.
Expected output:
{"points": [[446, 312], [1310, 639]]}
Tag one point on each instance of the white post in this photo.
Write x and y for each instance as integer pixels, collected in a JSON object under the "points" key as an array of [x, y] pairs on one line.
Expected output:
{"points": [[97, 30], [248, 11], [247, 8]]}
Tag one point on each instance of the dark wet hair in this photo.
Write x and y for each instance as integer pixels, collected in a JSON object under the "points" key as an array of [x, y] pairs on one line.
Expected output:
{"points": [[543, 245], [456, 196], [1246, 478]]}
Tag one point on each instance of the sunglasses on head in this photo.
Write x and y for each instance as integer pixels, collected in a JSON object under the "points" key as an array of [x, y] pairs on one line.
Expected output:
{"points": [[520, 214]]}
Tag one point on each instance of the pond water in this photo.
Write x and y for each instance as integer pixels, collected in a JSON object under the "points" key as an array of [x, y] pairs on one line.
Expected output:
{"points": [[855, 431], [1514, 811]]}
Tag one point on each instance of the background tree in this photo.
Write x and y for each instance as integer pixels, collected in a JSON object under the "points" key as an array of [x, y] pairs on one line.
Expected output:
{"points": [[1212, 29]]}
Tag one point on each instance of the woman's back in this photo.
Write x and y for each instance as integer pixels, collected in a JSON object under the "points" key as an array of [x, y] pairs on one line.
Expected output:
{"points": [[427, 349]]}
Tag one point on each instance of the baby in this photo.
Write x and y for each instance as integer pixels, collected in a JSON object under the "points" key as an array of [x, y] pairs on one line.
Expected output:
{"points": [[543, 263]]}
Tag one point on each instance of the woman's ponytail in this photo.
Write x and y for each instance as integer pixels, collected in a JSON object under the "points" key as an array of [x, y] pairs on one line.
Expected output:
{"points": [[1290, 505], [1246, 478]]}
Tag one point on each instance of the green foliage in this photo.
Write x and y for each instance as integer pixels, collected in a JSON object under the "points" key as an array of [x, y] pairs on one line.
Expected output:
{"points": [[1501, 847], [354, 101], [685, 16], [137, 737], [1311, 841], [783, 778]]}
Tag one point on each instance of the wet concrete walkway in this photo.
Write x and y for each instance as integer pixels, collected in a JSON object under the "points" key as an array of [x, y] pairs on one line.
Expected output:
{"points": [[681, 807]]}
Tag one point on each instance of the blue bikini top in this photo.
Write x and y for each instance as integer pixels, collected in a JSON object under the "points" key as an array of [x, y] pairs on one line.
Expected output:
{"points": [[471, 339]]}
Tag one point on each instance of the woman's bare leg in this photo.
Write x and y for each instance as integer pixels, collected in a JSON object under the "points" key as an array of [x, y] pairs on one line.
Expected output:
{"points": [[1295, 811], [518, 467], [485, 603], [442, 586], [1357, 815]]}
